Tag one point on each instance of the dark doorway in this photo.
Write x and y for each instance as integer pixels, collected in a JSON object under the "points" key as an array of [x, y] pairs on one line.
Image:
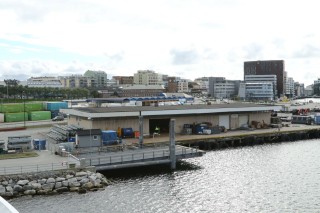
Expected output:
{"points": [[161, 124]]}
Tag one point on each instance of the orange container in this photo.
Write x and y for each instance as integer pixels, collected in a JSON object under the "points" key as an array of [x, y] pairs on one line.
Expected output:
{"points": [[136, 134]]}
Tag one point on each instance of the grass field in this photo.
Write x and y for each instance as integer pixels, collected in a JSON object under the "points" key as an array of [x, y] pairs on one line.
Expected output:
{"points": [[18, 155]]}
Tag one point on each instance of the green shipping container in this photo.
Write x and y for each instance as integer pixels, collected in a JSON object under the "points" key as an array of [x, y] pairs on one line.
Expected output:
{"points": [[15, 117], [33, 107], [39, 115], [11, 108]]}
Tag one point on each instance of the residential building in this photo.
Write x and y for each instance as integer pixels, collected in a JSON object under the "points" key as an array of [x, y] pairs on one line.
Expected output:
{"points": [[299, 89], [52, 82], [219, 87], [204, 84], [98, 79], [75, 81], [316, 87], [227, 89], [147, 77], [123, 80], [289, 87], [137, 90], [270, 67]]}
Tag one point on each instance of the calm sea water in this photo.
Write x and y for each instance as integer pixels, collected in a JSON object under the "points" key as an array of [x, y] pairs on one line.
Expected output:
{"points": [[283, 177]]}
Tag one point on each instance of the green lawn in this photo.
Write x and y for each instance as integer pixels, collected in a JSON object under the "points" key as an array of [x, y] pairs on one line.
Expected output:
{"points": [[18, 155]]}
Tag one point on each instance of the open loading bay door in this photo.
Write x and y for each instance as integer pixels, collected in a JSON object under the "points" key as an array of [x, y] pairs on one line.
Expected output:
{"points": [[159, 125]]}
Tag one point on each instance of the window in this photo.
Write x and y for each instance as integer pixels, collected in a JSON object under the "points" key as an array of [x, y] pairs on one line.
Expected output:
{"points": [[95, 137]]}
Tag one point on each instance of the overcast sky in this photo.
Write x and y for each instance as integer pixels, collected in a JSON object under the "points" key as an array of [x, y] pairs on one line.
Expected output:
{"points": [[186, 38]]}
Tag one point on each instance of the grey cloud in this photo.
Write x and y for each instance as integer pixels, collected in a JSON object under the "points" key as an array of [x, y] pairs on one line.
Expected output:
{"points": [[181, 57]]}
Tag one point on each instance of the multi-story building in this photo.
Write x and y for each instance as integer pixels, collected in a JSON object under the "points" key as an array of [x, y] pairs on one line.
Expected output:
{"points": [[147, 77], [75, 81], [299, 89], [177, 84], [262, 79], [257, 91], [123, 80], [99, 79], [316, 87], [271, 67], [204, 84], [52, 82], [289, 87], [141, 90], [219, 87]]}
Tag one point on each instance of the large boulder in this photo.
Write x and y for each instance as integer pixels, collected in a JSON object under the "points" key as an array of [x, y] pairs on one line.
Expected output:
{"points": [[35, 186], [60, 179], [88, 185], [62, 189], [74, 184], [84, 180], [9, 189], [30, 192], [22, 182], [74, 189], [2, 190], [58, 185], [5, 183], [81, 174], [48, 186], [17, 188], [51, 180], [65, 183]]}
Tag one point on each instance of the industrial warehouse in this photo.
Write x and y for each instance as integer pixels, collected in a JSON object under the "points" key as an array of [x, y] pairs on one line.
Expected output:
{"points": [[151, 119]]}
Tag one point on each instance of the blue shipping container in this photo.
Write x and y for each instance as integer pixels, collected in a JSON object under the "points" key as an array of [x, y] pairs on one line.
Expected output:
{"points": [[109, 137], [127, 132], [53, 106], [39, 144], [317, 119]]}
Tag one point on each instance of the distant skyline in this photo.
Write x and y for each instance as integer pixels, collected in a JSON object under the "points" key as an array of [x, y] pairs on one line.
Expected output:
{"points": [[189, 38]]}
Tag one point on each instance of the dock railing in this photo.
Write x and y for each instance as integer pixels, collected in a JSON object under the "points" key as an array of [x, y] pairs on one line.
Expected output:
{"points": [[33, 168], [162, 154]]}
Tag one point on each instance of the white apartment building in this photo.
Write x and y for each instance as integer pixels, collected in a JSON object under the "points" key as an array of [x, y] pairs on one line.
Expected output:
{"points": [[256, 91], [289, 87], [263, 78], [183, 85], [52, 82], [203, 82], [147, 77]]}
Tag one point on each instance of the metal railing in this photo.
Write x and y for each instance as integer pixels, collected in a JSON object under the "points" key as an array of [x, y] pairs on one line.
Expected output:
{"points": [[141, 156], [33, 168]]}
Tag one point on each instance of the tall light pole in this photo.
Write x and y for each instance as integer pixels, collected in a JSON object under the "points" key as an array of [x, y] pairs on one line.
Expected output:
{"points": [[24, 111]]}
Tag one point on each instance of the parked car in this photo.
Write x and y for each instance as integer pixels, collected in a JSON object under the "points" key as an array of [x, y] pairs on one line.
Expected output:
{"points": [[58, 118]]}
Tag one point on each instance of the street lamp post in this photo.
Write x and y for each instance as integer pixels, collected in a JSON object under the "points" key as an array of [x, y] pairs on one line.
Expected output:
{"points": [[24, 111]]}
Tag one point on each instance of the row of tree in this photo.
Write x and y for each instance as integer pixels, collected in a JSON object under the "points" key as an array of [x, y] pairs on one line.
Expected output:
{"points": [[13, 90]]}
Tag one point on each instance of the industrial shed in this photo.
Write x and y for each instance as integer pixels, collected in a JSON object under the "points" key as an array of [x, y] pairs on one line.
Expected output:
{"points": [[231, 116]]}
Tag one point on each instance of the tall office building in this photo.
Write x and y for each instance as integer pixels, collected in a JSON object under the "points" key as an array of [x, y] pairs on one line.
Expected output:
{"points": [[272, 67]]}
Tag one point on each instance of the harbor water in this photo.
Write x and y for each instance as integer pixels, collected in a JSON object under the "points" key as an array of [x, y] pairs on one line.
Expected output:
{"points": [[283, 177]]}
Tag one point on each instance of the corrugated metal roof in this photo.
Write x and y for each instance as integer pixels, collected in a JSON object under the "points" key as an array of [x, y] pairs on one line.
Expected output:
{"points": [[163, 108]]}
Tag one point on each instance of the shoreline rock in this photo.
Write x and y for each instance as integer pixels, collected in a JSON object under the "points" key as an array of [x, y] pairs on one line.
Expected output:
{"points": [[49, 183]]}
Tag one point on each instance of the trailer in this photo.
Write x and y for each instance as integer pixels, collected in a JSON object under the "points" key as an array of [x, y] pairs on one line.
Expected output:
{"points": [[19, 143], [302, 119]]}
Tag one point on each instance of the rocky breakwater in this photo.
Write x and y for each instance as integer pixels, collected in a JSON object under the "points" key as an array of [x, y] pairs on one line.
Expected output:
{"points": [[50, 184]]}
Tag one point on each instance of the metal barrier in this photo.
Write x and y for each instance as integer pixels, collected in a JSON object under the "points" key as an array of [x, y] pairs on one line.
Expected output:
{"points": [[33, 168], [138, 157]]}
